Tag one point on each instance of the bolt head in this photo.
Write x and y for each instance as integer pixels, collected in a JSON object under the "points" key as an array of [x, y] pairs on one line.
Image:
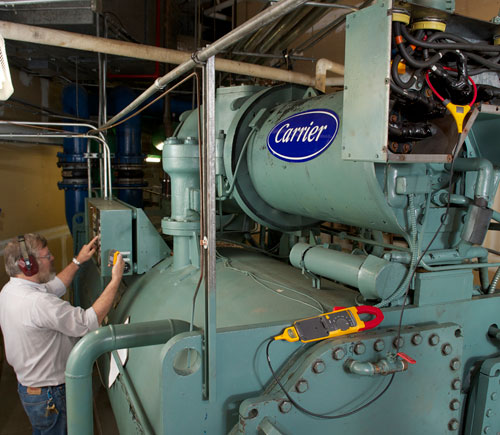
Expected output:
{"points": [[456, 384], [434, 340], [301, 386], [455, 364], [453, 424], [338, 353], [489, 413], [318, 367], [398, 342], [455, 404], [285, 406], [493, 396], [416, 339], [486, 429], [359, 348], [446, 349], [379, 345]]}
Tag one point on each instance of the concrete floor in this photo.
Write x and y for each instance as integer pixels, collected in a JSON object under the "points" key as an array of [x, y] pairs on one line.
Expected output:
{"points": [[14, 421]]}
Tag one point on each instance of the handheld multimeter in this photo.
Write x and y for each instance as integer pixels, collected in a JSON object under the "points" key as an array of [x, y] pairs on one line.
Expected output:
{"points": [[340, 321]]}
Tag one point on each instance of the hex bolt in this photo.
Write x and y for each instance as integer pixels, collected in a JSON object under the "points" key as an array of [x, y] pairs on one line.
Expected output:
{"points": [[446, 349], [285, 406], [456, 384], [318, 367], [379, 345], [416, 339], [338, 353], [434, 340], [486, 429], [398, 342], [455, 404], [455, 364], [453, 424], [301, 386], [493, 396], [489, 413], [359, 348]]}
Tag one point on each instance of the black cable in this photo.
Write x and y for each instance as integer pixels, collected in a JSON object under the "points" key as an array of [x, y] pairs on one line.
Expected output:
{"points": [[398, 31], [446, 46], [395, 74], [314, 414]]}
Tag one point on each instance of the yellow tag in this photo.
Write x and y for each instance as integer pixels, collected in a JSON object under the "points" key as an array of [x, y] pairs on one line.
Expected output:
{"points": [[458, 112]]}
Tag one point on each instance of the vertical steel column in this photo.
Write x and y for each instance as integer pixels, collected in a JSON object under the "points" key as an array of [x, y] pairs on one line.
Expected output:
{"points": [[210, 285]]}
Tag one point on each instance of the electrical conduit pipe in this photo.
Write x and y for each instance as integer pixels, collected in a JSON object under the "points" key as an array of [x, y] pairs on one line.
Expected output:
{"points": [[96, 343]]}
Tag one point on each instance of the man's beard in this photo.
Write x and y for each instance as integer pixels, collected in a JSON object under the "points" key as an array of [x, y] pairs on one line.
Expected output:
{"points": [[47, 277]]}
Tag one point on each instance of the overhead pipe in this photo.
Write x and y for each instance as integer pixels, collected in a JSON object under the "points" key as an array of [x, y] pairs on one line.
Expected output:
{"points": [[92, 346], [60, 38], [322, 66]]}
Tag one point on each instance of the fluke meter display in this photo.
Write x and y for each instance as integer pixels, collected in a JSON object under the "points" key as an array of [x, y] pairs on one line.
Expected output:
{"points": [[340, 321]]}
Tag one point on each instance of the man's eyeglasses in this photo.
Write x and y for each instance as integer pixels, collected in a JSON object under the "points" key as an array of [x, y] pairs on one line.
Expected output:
{"points": [[48, 256]]}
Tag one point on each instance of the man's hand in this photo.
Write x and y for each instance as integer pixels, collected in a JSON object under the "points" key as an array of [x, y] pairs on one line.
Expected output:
{"points": [[87, 250], [117, 271]]}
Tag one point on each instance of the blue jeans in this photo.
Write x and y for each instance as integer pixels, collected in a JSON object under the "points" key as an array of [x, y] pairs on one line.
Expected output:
{"points": [[44, 419]]}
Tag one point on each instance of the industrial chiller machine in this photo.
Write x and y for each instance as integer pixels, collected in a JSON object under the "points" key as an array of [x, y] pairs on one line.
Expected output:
{"points": [[363, 303]]}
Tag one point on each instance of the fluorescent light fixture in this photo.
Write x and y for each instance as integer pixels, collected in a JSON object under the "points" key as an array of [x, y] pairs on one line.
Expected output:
{"points": [[151, 158]]}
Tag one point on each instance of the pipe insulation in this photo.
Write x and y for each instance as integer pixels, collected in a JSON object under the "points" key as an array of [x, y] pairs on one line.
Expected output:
{"points": [[60, 38]]}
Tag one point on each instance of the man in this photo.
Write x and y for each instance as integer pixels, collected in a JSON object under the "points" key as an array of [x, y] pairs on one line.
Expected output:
{"points": [[40, 329]]}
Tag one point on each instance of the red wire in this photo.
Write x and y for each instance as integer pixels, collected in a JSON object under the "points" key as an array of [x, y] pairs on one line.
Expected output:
{"points": [[433, 89]]}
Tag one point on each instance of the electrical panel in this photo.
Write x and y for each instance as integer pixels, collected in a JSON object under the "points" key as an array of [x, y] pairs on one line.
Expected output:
{"points": [[127, 229]]}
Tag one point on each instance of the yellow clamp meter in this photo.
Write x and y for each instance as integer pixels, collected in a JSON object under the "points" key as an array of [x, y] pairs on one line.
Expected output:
{"points": [[340, 321]]}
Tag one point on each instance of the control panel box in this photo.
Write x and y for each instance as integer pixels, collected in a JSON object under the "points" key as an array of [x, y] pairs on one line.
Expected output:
{"points": [[113, 222]]}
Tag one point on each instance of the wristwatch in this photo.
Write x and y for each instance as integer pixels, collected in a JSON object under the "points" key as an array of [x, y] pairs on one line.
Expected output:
{"points": [[76, 262]]}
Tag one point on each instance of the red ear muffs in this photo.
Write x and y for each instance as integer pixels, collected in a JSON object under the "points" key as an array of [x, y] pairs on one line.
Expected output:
{"points": [[29, 269]]}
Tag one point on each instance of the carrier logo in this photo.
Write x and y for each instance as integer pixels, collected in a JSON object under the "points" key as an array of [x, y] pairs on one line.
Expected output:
{"points": [[303, 136]]}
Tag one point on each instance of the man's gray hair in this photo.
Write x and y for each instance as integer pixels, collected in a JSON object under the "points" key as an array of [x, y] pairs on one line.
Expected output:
{"points": [[12, 252]]}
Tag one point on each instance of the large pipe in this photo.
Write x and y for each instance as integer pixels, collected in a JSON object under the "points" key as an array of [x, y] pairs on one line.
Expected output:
{"points": [[96, 343], [60, 38]]}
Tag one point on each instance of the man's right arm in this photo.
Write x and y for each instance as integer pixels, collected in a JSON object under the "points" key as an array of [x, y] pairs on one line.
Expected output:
{"points": [[104, 302]]}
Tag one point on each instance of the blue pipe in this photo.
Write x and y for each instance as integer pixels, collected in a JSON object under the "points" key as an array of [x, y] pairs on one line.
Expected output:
{"points": [[72, 160], [128, 157]]}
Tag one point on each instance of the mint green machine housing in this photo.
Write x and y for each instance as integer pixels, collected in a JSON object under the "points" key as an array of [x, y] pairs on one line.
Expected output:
{"points": [[418, 242]]}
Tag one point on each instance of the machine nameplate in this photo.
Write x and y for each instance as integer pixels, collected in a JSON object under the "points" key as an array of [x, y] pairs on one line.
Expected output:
{"points": [[303, 136]]}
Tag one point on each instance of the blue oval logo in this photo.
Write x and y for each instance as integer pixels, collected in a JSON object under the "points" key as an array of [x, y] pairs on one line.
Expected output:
{"points": [[303, 136]]}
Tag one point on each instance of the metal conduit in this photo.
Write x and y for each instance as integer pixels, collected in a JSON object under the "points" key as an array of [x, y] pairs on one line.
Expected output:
{"points": [[100, 138]]}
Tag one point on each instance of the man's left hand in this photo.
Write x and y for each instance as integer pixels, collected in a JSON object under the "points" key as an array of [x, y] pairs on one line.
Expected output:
{"points": [[87, 250]]}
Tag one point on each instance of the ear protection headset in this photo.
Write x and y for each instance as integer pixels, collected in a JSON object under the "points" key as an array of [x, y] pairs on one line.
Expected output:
{"points": [[27, 263]]}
